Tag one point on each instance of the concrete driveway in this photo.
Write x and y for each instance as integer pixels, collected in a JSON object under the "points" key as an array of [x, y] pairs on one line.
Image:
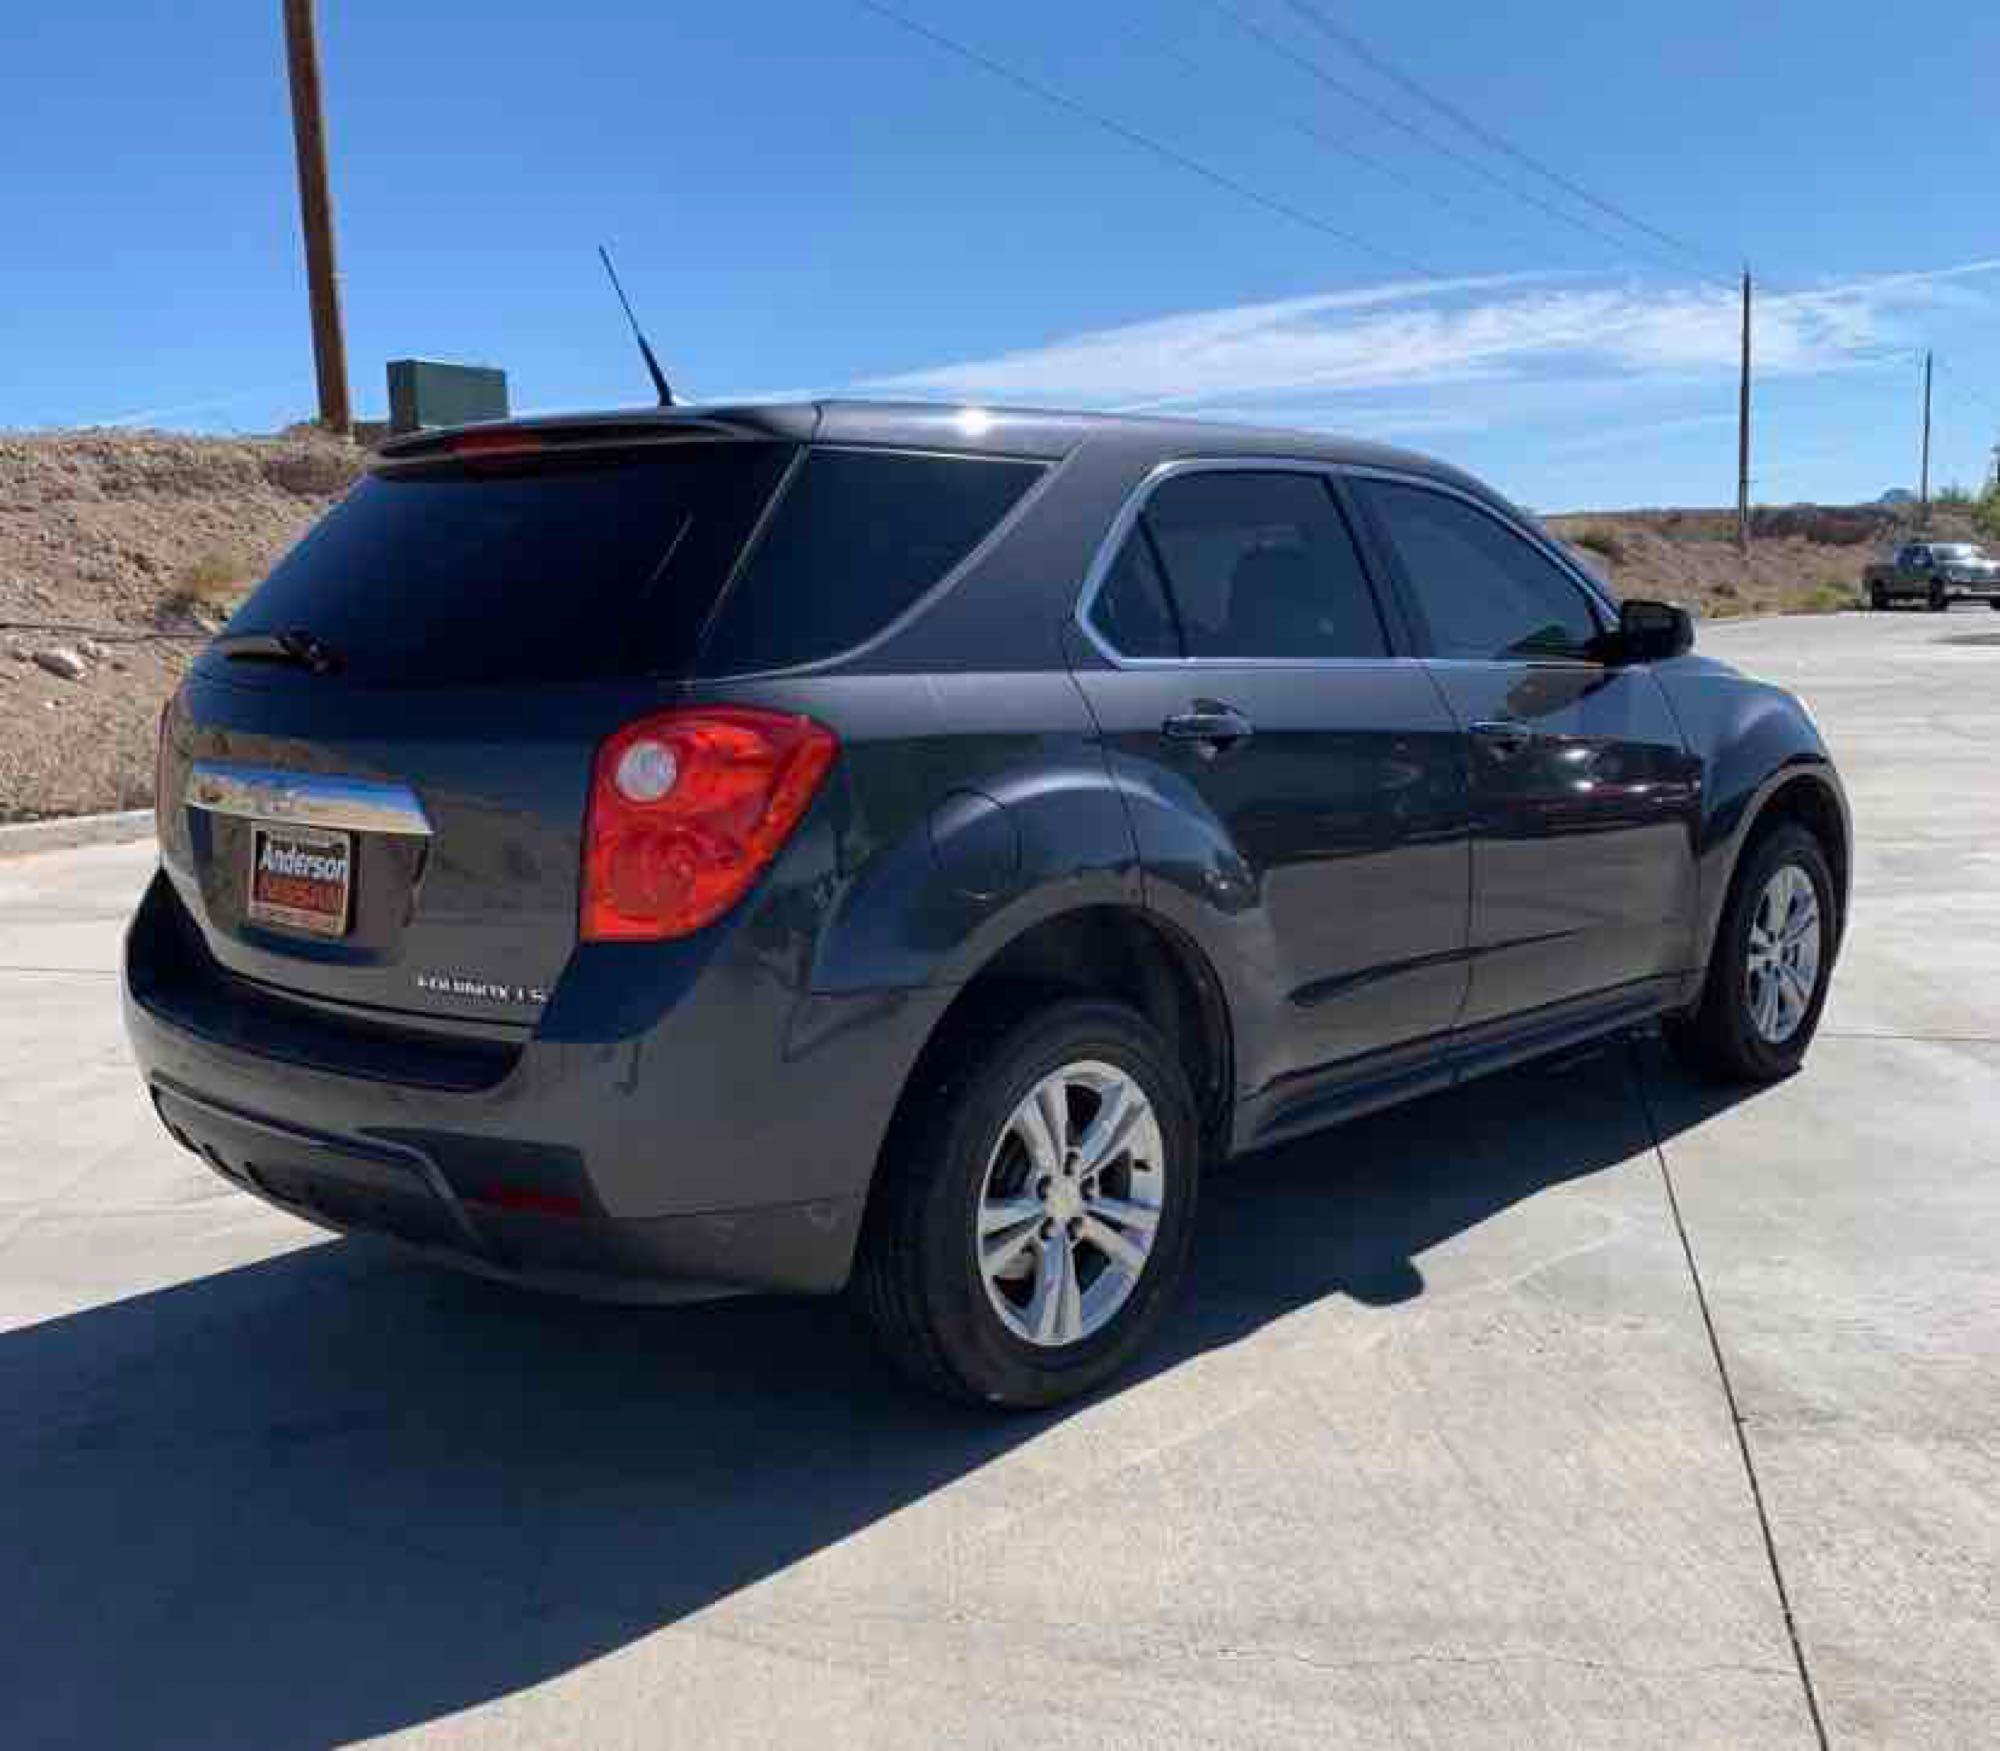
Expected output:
{"points": [[1442, 1448]]}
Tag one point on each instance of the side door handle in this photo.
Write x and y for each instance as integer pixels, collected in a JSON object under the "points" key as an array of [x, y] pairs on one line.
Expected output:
{"points": [[1504, 736], [1210, 721]]}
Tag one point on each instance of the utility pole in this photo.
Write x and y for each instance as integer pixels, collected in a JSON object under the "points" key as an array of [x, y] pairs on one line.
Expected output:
{"points": [[316, 215], [1743, 430], [1924, 476]]}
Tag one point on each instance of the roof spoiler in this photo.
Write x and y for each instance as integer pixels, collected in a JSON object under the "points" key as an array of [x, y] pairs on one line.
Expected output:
{"points": [[571, 434]]}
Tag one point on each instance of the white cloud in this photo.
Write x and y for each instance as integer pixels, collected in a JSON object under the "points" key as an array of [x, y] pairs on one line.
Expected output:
{"points": [[1408, 335], [1637, 432]]}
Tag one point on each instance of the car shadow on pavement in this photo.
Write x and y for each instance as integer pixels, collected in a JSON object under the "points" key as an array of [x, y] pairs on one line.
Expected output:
{"points": [[332, 1494]]}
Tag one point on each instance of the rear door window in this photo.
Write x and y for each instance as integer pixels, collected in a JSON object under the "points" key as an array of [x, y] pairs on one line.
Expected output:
{"points": [[858, 537], [555, 569], [1261, 566]]}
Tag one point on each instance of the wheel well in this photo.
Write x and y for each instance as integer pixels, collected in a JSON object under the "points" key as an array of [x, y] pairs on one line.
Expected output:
{"points": [[1104, 951], [1808, 802]]}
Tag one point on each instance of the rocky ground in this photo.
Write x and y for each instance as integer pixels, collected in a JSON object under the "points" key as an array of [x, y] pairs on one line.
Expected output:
{"points": [[119, 553]]}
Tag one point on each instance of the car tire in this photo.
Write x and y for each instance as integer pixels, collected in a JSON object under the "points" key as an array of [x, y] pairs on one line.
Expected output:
{"points": [[1738, 1033], [952, 1175], [1993, 602], [1878, 598], [1939, 602]]}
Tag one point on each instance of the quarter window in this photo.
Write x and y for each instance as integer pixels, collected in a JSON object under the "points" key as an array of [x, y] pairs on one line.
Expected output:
{"points": [[857, 538], [1256, 566], [1484, 591], [1132, 611]]}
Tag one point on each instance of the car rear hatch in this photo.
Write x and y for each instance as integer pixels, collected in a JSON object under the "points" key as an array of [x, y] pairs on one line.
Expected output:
{"points": [[374, 783]]}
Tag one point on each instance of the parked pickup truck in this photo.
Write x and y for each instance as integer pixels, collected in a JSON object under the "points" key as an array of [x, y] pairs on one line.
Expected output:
{"points": [[1936, 572]]}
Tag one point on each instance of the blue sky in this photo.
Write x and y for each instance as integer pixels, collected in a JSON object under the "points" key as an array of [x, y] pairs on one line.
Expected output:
{"points": [[806, 197]]}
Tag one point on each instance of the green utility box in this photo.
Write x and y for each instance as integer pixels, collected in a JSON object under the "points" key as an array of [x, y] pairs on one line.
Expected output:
{"points": [[424, 393]]}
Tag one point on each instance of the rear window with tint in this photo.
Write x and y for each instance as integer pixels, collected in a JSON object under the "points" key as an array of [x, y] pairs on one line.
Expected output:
{"points": [[857, 538], [555, 570]]}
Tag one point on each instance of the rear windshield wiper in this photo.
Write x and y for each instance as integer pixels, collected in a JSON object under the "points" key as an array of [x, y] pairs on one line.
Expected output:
{"points": [[295, 645]]}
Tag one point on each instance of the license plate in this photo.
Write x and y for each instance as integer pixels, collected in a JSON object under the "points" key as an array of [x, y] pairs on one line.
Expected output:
{"points": [[301, 878]]}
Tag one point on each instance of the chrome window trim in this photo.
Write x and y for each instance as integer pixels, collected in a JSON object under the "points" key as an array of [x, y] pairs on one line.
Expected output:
{"points": [[311, 799], [1113, 544], [1542, 542]]}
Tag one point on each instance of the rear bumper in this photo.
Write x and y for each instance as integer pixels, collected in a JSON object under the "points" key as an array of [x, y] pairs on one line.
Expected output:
{"points": [[706, 1136], [1952, 589], [352, 1185]]}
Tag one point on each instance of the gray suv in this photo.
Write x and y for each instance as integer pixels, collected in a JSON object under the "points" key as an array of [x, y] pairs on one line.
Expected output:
{"points": [[799, 847]]}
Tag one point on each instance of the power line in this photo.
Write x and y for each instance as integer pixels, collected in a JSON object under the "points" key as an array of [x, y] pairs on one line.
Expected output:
{"points": [[1270, 41], [1306, 64], [1333, 143], [1208, 173], [1313, 15], [1347, 40], [1133, 136]]}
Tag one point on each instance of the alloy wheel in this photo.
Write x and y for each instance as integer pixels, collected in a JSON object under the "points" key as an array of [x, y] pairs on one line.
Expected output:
{"points": [[1071, 1204], [1784, 954]]}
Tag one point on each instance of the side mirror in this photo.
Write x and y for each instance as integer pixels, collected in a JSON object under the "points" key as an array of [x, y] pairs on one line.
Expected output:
{"points": [[1650, 632]]}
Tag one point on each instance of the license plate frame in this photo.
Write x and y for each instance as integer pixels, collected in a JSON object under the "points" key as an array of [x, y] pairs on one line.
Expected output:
{"points": [[304, 900]]}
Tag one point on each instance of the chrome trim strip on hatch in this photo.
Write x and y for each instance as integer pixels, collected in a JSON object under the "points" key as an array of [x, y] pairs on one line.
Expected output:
{"points": [[313, 799]]}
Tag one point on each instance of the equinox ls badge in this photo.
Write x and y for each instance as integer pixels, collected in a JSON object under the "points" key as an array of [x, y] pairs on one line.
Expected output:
{"points": [[489, 990]]}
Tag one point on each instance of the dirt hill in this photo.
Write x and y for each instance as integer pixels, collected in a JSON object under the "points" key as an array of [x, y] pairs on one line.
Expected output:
{"points": [[121, 551], [1803, 559]]}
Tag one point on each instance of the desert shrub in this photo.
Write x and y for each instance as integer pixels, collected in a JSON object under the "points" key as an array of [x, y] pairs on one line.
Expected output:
{"points": [[1827, 598], [1606, 543], [212, 583]]}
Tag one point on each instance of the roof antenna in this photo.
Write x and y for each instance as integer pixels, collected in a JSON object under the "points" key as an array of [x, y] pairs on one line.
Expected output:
{"points": [[638, 334]]}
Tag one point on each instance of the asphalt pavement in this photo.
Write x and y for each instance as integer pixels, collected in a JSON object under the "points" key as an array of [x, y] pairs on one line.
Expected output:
{"points": [[1586, 1406]]}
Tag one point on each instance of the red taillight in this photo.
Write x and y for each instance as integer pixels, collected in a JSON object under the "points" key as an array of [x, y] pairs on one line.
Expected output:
{"points": [[530, 1200], [501, 442], [686, 809]]}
